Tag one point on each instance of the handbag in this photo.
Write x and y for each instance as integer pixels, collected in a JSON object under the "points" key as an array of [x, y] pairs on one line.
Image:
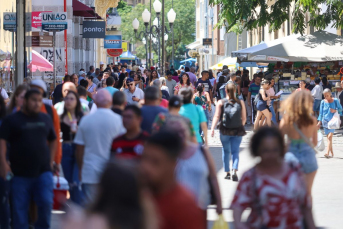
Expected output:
{"points": [[335, 122], [302, 135]]}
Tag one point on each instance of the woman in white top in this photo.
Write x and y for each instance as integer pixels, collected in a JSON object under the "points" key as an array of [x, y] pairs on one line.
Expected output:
{"points": [[271, 94]]}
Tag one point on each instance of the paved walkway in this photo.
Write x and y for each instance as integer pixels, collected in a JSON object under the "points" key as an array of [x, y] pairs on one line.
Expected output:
{"points": [[327, 189]]}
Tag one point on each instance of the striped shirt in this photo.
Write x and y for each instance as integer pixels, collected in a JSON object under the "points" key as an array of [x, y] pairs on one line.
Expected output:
{"points": [[254, 89]]}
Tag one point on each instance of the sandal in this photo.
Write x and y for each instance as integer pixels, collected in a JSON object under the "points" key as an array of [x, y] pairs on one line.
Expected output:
{"points": [[327, 156]]}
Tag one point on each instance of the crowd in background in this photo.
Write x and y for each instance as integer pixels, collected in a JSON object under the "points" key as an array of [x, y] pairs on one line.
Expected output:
{"points": [[132, 146]]}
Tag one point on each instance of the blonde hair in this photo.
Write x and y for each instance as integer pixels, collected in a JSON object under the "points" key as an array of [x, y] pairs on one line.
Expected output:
{"points": [[231, 91], [298, 108]]}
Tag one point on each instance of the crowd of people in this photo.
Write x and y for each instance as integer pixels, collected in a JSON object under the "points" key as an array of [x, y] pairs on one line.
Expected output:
{"points": [[132, 145]]}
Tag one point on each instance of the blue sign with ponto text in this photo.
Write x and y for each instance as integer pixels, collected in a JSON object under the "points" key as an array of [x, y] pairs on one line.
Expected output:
{"points": [[112, 42]]}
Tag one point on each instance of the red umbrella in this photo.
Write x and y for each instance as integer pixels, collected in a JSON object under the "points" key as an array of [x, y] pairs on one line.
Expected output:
{"points": [[39, 63]]}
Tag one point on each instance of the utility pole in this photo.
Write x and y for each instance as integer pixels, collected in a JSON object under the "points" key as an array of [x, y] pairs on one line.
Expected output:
{"points": [[162, 34], [20, 44]]}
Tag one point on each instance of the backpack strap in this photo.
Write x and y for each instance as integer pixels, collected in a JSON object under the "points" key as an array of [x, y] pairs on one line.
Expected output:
{"points": [[48, 109]]}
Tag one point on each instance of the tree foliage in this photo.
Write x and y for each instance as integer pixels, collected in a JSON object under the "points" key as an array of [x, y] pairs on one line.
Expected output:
{"points": [[184, 26], [237, 15]]}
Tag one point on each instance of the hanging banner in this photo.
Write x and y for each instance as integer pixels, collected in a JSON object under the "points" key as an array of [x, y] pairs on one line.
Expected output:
{"points": [[10, 21], [114, 52], [113, 42], [54, 22]]}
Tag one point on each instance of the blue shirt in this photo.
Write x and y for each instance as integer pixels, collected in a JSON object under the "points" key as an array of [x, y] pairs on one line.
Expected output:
{"points": [[111, 90], [254, 89], [196, 115], [325, 114], [149, 114]]}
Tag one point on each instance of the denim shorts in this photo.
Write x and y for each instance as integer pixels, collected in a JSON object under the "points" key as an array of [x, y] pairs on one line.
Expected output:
{"points": [[327, 131], [316, 105], [305, 154]]}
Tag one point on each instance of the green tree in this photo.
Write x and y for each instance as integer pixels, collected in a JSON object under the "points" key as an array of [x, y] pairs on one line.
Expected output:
{"points": [[237, 15], [184, 26]]}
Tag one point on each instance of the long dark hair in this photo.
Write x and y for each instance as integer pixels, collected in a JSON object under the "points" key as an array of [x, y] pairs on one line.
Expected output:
{"points": [[16, 93], [188, 81], [325, 81], [200, 88], [78, 111], [118, 198], [150, 80], [2, 108]]}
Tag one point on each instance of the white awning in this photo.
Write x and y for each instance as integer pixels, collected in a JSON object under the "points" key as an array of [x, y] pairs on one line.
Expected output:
{"points": [[194, 45]]}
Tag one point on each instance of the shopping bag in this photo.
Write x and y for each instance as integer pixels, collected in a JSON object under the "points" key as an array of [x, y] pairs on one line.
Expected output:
{"points": [[320, 142], [220, 223], [335, 122]]}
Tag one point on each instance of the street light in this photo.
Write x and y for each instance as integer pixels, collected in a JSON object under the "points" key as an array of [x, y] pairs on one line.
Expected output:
{"points": [[165, 37], [143, 40], [157, 6], [155, 31]]}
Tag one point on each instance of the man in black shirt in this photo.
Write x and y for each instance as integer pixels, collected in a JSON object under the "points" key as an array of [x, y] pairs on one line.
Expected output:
{"points": [[206, 82], [32, 140]]}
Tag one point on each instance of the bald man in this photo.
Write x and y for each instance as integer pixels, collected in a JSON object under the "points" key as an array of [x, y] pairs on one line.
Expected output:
{"points": [[68, 86], [93, 140]]}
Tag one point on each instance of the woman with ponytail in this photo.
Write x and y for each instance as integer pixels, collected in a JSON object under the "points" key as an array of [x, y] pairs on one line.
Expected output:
{"points": [[202, 98]]}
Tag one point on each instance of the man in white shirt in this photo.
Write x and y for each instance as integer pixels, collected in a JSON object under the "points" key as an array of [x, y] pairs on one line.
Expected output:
{"points": [[317, 93], [93, 142], [133, 93], [83, 99]]}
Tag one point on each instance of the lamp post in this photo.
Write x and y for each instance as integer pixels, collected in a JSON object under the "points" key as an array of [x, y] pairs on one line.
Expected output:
{"points": [[155, 30]]}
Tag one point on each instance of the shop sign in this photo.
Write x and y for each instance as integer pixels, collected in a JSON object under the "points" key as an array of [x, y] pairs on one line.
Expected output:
{"points": [[54, 22], [94, 29], [114, 52], [113, 42], [10, 21], [259, 57], [37, 18], [42, 41], [124, 46], [207, 41]]}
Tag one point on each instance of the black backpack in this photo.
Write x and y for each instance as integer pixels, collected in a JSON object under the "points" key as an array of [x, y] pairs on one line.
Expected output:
{"points": [[232, 114]]}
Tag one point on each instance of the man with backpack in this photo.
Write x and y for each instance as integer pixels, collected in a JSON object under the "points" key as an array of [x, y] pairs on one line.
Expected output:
{"points": [[254, 89]]}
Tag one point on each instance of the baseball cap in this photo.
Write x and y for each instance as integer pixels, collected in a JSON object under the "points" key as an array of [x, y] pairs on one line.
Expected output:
{"points": [[41, 84], [101, 63], [226, 71], [81, 73], [129, 80], [225, 67]]}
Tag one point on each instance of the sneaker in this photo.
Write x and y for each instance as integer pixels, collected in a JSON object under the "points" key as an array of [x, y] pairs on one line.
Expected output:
{"points": [[228, 176], [234, 177]]}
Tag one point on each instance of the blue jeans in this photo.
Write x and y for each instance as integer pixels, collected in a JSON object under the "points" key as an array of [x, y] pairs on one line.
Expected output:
{"points": [[22, 190], [4, 204], [273, 113], [71, 172], [89, 191], [230, 148]]}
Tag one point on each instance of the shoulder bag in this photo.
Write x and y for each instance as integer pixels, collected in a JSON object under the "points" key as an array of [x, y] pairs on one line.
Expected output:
{"points": [[320, 147]]}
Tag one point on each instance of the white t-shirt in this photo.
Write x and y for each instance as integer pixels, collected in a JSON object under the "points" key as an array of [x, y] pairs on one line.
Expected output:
{"points": [[3, 93], [138, 93], [96, 133], [86, 103]]}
